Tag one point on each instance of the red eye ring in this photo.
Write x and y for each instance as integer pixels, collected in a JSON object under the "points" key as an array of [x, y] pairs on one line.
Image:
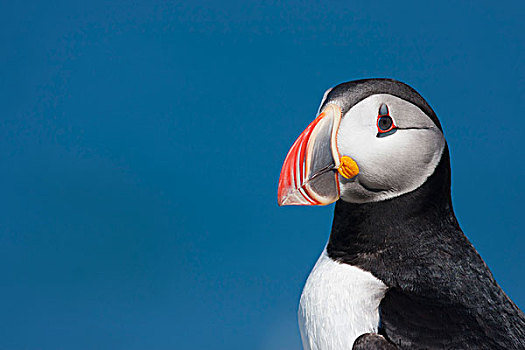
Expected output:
{"points": [[385, 123]]}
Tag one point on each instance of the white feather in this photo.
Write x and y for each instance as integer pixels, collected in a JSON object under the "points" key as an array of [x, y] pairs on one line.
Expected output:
{"points": [[339, 303], [396, 164]]}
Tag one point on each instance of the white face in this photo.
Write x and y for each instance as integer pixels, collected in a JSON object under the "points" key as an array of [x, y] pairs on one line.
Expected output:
{"points": [[395, 163]]}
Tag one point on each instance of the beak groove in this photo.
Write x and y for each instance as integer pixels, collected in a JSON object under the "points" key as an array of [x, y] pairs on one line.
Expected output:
{"points": [[309, 175]]}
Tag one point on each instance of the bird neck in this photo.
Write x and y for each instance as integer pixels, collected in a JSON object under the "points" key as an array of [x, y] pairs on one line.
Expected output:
{"points": [[362, 231]]}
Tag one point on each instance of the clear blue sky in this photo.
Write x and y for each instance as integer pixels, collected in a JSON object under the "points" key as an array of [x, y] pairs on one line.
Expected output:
{"points": [[141, 144]]}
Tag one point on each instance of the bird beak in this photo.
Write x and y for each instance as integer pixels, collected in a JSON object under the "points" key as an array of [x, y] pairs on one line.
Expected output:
{"points": [[309, 173]]}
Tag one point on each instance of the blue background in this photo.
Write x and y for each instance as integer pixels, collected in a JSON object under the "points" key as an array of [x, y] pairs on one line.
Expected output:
{"points": [[141, 144]]}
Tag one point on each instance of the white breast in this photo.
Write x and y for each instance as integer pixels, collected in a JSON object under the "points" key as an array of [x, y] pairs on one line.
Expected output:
{"points": [[339, 303]]}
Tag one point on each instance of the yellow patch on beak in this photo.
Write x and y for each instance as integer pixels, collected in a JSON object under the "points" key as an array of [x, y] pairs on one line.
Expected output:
{"points": [[348, 168]]}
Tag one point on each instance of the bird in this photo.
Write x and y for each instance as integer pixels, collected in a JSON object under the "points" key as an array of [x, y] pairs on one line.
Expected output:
{"points": [[397, 271]]}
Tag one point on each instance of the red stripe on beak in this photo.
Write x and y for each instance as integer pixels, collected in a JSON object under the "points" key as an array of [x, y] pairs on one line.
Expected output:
{"points": [[294, 187]]}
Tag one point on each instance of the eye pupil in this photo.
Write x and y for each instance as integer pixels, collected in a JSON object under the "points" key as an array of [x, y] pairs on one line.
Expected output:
{"points": [[385, 123]]}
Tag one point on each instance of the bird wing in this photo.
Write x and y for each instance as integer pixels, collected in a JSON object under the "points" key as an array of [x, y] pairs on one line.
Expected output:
{"points": [[372, 341]]}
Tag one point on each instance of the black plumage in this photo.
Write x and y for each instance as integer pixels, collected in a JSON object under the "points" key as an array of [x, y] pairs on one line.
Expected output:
{"points": [[372, 341], [441, 294]]}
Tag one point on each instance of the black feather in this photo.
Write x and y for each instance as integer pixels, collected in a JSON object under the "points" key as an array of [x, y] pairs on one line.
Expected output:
{"points": [[441, 294], [372, 341]]}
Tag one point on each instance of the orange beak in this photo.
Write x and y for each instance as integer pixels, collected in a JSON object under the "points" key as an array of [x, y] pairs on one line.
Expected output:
{"points": [[309, 173]]}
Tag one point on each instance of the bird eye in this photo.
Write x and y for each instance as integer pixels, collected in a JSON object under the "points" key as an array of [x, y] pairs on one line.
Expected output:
{"points": [[385, 123]]}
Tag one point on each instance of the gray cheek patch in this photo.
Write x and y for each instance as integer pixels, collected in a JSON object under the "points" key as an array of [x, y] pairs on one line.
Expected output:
{"points": [[407, 115], [392, 165]]}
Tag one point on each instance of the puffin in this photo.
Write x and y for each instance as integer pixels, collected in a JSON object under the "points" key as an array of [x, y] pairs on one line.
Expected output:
{"points": [[397, 271]]}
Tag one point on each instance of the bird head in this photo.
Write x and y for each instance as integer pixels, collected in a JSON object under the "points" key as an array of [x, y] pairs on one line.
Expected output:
{"points": [[372, 140]]}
